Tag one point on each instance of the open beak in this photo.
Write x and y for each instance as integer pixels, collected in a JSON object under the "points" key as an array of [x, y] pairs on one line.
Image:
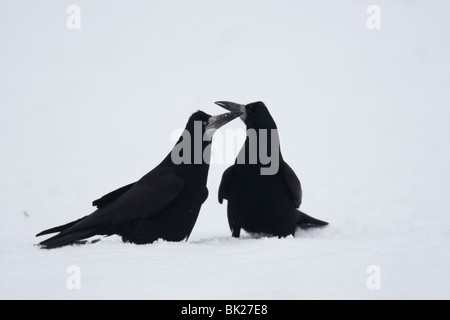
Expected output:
{"points": [[231, 106], [215, 122]]}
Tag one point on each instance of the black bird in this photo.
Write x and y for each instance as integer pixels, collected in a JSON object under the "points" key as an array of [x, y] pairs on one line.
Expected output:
{"points": [[261, 198], [164, 204]]}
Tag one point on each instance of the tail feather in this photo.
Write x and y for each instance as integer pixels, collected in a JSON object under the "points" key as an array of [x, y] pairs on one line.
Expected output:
{"points": [[59, 228], [304, 221], [69, 233], [66, 238]]}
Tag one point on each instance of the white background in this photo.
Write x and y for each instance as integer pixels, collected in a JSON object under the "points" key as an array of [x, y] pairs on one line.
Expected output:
{"points": [[363, 117]]}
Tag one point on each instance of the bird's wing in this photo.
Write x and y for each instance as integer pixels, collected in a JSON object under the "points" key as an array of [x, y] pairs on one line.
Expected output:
{"points": [[142, 200], [147, 198], [225, 183], [108, 198], [293, 183]]}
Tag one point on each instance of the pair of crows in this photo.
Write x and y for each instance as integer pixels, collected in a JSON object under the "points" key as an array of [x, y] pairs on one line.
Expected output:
{"points": [[165, 203]]}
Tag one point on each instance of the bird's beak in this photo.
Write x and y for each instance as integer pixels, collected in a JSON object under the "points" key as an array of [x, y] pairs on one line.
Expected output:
{"points": [[232, 106], [215, 122]]}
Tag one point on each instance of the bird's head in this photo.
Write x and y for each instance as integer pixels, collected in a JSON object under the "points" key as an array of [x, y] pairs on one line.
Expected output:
{"points": [[255, 115], [193, 146], [208, 123]]}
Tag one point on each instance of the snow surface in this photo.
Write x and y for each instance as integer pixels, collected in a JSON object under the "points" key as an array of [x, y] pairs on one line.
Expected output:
{"points": [[363, 117]]}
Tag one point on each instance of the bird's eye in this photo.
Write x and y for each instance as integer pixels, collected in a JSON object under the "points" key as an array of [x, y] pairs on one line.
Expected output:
{"points": [[204, 123]]}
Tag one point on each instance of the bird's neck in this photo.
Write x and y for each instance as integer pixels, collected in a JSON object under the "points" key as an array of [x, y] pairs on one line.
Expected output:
{"points": [[261, 150], [191, 158]]}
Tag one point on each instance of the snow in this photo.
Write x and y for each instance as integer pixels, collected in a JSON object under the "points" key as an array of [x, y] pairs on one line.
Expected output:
{"points": [[363, 120]]}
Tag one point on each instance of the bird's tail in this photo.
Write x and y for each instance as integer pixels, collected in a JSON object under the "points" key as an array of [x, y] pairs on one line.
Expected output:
{"points": [[68, 234], [59, 228], [304, 221]]}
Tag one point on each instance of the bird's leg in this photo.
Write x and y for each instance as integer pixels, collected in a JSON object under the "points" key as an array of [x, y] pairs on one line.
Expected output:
{"points": [[236, 232]]}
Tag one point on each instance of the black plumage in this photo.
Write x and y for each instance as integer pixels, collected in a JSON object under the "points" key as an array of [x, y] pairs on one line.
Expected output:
{"points": [[257, 202], [164, 204]]}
